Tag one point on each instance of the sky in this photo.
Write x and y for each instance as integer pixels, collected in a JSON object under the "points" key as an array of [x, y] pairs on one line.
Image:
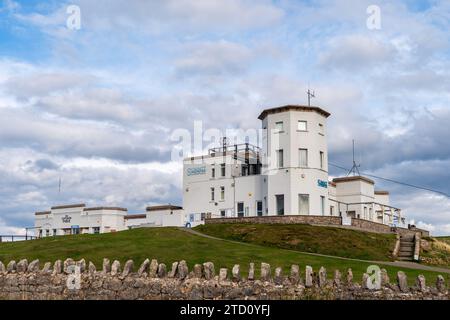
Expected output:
{"points": [[96, 106]]}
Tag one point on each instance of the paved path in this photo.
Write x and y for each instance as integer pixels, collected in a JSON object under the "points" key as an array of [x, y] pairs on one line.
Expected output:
{"points": [[401, 264]]}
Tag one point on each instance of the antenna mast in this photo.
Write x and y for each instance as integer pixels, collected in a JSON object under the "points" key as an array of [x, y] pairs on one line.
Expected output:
{"points": [[355, 167], [310, 95]]}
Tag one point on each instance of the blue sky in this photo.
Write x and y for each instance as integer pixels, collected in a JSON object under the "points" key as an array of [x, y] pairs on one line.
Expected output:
{"points": [[96, 106]]}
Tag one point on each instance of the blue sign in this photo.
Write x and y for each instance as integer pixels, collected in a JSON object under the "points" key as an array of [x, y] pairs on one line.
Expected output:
{"points": [[196, 171], [322, 183]]}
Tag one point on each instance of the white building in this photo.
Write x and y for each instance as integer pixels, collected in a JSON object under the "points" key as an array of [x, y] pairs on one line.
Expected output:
{"points": [[287, 176], [78, 219]]}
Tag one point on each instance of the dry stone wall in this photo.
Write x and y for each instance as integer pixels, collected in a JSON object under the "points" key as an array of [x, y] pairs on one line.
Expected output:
{"points": [[152, 280]]}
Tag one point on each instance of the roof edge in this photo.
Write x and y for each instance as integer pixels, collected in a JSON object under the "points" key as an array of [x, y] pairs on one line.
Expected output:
{"points": [[290, 107]]}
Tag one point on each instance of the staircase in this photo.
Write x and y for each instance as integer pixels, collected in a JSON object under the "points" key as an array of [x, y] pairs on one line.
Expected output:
{"points": [[406, 252]]}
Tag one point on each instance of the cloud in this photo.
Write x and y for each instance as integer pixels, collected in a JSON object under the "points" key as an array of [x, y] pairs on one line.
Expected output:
{"points": [[213, 58], [356, 53]]}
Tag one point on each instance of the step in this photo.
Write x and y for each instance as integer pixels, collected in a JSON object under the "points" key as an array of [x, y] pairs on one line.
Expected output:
{"points": [[405, 258], [407, 244]]}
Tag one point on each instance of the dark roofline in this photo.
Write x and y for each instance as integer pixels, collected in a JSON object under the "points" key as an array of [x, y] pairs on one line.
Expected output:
{"points": [[381, 192], [354, 178], [135, 216], [290, 107], [79, 205], [41, 213], [163, 207], [105, 208]]}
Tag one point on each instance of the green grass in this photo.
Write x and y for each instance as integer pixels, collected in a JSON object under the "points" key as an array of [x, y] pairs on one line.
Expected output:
{"points": [[172, 244], [301, 237], [445, 239]]}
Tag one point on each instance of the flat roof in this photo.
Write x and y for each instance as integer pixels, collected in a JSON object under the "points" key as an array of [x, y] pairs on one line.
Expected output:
{"points": [[292, 107], [105, 208], [353, 178], [135, 216], [41, 213], [163, 207], [79, 205]]}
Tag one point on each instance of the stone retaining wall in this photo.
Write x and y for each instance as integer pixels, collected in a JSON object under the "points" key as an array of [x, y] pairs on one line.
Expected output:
{"points": [[287, 219], [153, 280], [366, 225]]}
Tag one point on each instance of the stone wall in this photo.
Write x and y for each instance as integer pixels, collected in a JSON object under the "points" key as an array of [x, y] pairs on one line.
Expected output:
{"points": [[366, 225], [288, 219], [153, 280]]}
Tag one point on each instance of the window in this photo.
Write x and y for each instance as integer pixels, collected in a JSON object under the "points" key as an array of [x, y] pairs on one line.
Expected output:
{"points": [[212, 194], [54, 232], [280, 204], [222, 169], [322, 205], [222, 193], [321, 159], [213, 172], [259, 208], [280, 158], [331, 210], [303, 157], [302, 125], [47, 233], [202, 216], [96, 230], [279, 126], [370, 214], [240, 209], [303, 204], [321, 131], [365, 213], [222, 213]]}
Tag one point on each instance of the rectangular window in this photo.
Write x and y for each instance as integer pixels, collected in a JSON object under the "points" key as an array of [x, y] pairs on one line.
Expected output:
{"points": [[321, 160], [96, 230], [202, 216], [303, 157], [47, 233], [212, 194], [213, 172], [322, 205], [54, 232], [321, 130], [222, 169], [280, 204], [365, 212], [370, 214], [303, 204], [240, 209], [259, 208], [280, 163], [331, 210], [222, 193], [279, 126], [222, 213], [302, 125]]}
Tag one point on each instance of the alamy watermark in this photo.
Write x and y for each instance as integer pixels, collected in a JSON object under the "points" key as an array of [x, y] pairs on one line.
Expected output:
{"points": [[373, 22], [374, 279], [73, 21], [74, 278]]}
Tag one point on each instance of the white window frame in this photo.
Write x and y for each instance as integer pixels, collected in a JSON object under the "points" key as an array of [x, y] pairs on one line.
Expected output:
{"points": [[300, 158], [301, 128]]}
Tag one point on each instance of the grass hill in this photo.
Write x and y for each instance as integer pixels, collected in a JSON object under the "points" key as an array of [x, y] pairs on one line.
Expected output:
{"points": [[173, 244], [301, 237]]}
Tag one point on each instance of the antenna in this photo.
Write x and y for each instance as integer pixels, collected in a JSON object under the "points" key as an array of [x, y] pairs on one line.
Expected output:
{"points": [[310, 95], [355, 167]]}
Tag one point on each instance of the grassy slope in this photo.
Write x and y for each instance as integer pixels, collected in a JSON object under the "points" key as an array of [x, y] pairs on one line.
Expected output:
{"points": [[445, 239], [325, 240], [171, 244]]}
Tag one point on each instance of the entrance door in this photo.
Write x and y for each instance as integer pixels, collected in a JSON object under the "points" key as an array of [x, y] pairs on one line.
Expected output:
{"points": [[240, 209]]}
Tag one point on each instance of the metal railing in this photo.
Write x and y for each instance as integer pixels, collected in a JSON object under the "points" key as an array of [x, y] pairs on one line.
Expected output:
{"points": [[12, 238]]}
